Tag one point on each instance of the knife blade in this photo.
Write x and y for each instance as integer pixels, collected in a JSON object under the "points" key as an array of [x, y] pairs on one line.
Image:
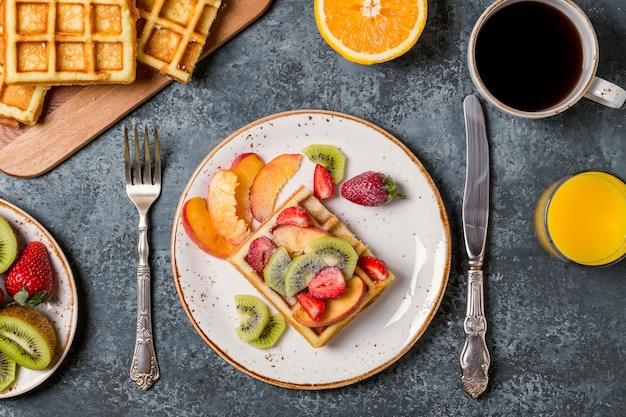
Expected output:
{"points": [[475, 358]]}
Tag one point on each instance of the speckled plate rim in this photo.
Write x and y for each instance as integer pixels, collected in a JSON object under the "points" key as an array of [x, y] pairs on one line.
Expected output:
{"points": [[200, 279], [61, 309]]}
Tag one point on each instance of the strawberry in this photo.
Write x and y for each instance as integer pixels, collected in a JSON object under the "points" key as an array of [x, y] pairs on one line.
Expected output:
{"points": [[314, 307], [374, 267], [323, 184], [327, 284], [260, 251], [29, 280], [294, 215], [370, 188]]}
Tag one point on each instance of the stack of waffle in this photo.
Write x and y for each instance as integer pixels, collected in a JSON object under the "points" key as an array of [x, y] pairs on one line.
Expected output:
{"points": [[79, 42]]}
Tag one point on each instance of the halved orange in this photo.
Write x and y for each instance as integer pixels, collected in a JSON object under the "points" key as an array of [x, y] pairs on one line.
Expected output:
{"points": [[371, 31]]}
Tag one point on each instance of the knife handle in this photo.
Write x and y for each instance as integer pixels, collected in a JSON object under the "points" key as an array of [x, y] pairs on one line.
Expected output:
{"points": [[475, 357]]}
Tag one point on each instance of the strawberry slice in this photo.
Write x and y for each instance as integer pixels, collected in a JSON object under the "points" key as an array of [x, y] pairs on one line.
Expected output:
{"points": [[29, 280], [374, 267], [329, 283], [314, 307], [261, 250], [323, 184], [295, 216]]}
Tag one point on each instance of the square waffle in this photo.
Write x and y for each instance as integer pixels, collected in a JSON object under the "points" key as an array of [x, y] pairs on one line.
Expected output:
{"points": [[172, 34], [18, 103], [290, 308], [61, 42]]}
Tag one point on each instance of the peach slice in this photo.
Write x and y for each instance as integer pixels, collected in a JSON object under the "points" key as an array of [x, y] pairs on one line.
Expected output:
{"points": [[246, 166], [336, 309], [295, 238], [223, 207], [199, 227], [268, 183]]}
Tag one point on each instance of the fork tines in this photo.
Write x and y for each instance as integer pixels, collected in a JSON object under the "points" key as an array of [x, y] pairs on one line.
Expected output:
{"points": [[136, 175]]}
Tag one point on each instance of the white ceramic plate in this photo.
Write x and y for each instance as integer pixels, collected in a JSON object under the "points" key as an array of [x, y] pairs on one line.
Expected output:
{"points": [[411, 235], [61, 309]]}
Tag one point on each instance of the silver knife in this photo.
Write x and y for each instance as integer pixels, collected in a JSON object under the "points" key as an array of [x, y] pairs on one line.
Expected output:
{"points": [[475, 357]]}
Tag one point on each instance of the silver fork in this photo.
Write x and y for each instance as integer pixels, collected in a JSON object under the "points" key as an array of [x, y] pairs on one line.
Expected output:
{"points": [[143, 190]]}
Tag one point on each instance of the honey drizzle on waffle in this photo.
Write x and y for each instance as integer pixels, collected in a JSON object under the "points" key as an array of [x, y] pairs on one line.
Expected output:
{"points": [[50, 42], [173, 34]]}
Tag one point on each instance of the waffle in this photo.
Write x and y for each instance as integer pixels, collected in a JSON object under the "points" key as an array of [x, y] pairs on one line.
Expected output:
{"points": [[17, 103], [290, 308], [65, 42], [172, 34]]}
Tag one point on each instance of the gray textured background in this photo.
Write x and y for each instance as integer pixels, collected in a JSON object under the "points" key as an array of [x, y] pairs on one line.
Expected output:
{"points": [[557, 332]]}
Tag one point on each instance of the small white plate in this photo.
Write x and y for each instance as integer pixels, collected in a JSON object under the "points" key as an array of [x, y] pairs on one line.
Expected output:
{"points": [[61, 309], [411, 235]]}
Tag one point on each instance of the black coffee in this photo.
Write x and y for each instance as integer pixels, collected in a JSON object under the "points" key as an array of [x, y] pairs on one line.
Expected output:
{"points": [[529, 55]]}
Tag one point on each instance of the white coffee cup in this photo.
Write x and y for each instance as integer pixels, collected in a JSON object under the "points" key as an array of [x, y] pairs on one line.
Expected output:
{"points": [[588, 85]]}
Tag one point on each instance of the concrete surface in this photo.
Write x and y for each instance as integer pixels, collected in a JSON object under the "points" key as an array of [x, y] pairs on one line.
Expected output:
{"points": [[557, 333]]}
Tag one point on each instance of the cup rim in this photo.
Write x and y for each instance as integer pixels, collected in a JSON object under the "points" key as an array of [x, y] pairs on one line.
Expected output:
{"points": [[486, 94]]}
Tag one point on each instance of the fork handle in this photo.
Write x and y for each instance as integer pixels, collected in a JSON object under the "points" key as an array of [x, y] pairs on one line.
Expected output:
{"points": [[144, 369]]}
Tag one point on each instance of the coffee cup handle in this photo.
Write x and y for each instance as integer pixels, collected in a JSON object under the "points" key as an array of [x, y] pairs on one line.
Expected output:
{"points": [[607, 93]]}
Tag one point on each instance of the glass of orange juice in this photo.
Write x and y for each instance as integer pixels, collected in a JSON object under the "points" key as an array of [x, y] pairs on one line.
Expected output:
{"points": [[582, 219]]}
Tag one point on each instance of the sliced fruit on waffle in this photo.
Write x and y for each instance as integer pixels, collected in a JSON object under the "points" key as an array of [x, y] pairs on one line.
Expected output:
{"points": [[307, 254]]}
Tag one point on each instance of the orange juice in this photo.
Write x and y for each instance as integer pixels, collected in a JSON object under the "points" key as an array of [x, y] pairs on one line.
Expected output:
{"points": [[582, 219]]}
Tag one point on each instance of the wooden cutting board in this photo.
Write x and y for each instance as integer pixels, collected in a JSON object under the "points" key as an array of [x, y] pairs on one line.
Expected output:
{"points": [[74, 116]]}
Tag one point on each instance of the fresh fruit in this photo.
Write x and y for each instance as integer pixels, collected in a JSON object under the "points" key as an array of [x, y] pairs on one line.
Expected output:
{"points": [[7, 371], [336, 309], [268, 183], [246, 166], [261, 249], [271, 333], [373, 31], [323, 184], [8, 245], [328, 156], [374, 267], [223, 207], [274, 271], [370, 189], [200, 229], [336, 252], [29, 279], [300, 272], [294, 215], [314, 307], [327, 284], [27, 337], [296, 239], [253, 317]]}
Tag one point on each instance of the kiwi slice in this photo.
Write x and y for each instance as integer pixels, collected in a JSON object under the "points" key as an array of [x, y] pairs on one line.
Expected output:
{"points": [[330, 157], [301, 271], [271, 333], [7, 371], [253, 317], [274, 271], [336, 252], [8, 245], [27, 337]]}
